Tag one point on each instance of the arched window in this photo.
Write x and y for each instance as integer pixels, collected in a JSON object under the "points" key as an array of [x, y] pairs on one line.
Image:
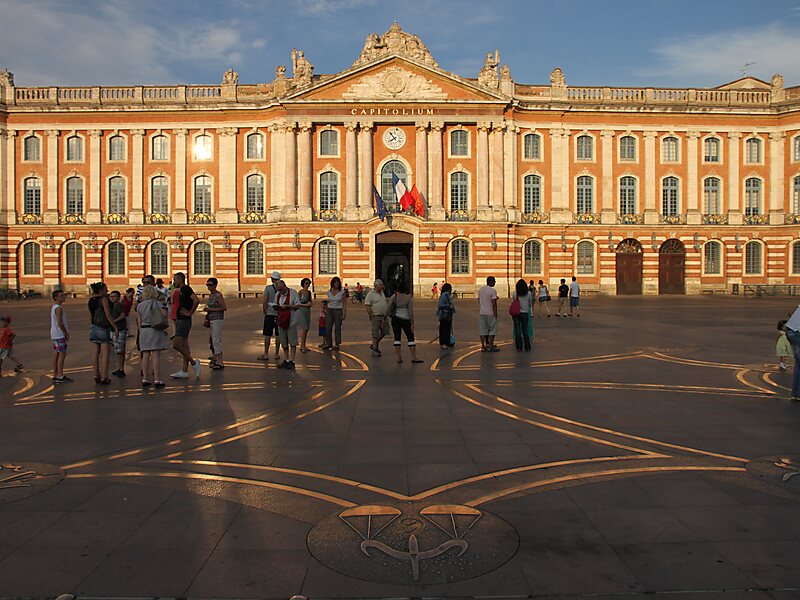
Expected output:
{"points": [[796, 148], [202, 194], [711, 150], [255, 146], [459, 143], [329, 142], [328, 191], [116, 258], [159, 195], [533, 146], [670, 196], [796, 258], [585, 147], [74, 149], [584, 195], [393, 167], [32, 148], [255, 194], [627, 195], [159, 147], [711, 203], [585, 258], [753, 257], [752, 197], [796, 195], [460, 263], [203, 148], [33, 196], [74, 196], [116, 148], [73, 258], [116, 196], [254, 258], [533, 257], [752, 151], [459, 191], [327, 257], [712, 258], [31, 259], [159, 258], [669, 149], [201, 252], [532, 194], [627, 148]]}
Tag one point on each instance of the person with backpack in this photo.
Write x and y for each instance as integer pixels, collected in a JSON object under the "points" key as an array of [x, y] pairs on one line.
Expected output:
{"points": [[100, 331], [521, 311], [445, 310], [153, 324]]}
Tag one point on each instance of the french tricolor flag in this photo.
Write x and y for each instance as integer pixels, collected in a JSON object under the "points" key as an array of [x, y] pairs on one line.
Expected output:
{"points": [[403, 196]]}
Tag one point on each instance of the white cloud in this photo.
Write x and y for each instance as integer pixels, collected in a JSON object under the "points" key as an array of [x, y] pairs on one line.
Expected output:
{"points": [[322, 7]]}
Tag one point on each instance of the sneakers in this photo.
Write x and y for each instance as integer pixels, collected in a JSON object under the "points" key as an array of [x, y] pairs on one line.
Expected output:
{"points": [[284, 365], [376, 353], [62, 379], [160, 384], [782, 366], [180, 375], [290, 365], [119, 373], [196, 368]]}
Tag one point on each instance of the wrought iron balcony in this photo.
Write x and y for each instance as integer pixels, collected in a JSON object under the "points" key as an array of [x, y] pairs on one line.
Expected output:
{"points": [[756, 220], [71, 219], [30, 218], [200, 218], [792, 219], [586, 218], [462, 215], [328, 215], [114, 218], [631, 219], [715, 219], [157, 219], [536, 217], [253, 216], [673, 219]]}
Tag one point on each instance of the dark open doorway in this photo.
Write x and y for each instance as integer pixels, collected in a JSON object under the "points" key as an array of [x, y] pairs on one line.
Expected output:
{"points": [[393, 259]]}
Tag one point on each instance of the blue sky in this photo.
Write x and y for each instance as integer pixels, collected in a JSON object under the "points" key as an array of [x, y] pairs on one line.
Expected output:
{"points": [[678, 43]]}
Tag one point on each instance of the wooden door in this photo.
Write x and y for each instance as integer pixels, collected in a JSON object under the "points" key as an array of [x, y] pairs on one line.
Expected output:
{"points": [[671, 273], [629, 273]]}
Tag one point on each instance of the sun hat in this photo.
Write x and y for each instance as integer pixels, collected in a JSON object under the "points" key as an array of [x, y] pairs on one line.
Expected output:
{"points": [[276, 275]]}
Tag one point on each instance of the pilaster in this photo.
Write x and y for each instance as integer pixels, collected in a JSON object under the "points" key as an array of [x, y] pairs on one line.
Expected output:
{"points": [[51, 205], [136, 216], [437, 211], [496, 169], [559, 174], [227, 212], [350, 204], [180, 214], [651, 214], [304, 175], [8, 177], [776, 170], [366, 168], [93, 199], [421, 164], [482, 167], [734, 203], [290, 169], [607, 215], [277, 160], [510, 171], [692, 156]]}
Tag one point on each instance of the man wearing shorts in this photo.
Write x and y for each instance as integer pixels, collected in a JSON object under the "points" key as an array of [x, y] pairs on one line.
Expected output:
{"points": [[377, 304], [574, 297], [59, 334], [487, 301], [563, 297], [270, 316], [187, 304], [287, 302]]}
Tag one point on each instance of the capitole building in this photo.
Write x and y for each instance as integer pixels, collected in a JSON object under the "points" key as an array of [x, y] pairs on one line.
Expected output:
{"points": [[632, 190]]}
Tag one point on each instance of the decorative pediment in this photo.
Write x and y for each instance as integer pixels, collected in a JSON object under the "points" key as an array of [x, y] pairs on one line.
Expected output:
{"points": [[395, 83], [394, 41]]}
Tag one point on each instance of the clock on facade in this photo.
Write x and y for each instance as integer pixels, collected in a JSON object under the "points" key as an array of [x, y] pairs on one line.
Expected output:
{"points": [[394, 138]]}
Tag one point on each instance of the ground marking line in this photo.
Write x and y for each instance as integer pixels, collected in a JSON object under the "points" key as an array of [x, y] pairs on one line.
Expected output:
{"points": [[649, 387], [28, 385], [767, 378], [740, 376], [691, 361]]}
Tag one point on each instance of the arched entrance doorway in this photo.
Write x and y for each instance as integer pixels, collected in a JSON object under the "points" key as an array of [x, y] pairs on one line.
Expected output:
{"points": [[629, 267], [672, 267], [394, 251]]}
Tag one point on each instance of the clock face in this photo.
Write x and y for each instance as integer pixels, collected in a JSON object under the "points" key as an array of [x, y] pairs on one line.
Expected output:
{"points": [[394, 138]]}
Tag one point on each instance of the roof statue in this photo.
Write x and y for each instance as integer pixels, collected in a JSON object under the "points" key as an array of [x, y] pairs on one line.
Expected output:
{"points": [[395, 41], [557, 78], [488, 74], [302, 69], [230, 77], [6, 78]]}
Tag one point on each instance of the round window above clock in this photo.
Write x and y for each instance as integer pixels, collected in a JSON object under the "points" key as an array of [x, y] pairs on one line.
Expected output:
{"points": [[394, 138]]}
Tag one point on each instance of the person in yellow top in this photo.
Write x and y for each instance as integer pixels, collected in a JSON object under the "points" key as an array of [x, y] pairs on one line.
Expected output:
{"points": [[782, 346]]}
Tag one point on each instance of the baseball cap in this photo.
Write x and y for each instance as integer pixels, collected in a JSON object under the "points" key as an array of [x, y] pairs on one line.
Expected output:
{"points": [[276, 275]]}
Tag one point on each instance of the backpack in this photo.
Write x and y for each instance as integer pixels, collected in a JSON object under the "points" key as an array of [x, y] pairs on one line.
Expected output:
{"points": [[156, 318], [515, 308]]}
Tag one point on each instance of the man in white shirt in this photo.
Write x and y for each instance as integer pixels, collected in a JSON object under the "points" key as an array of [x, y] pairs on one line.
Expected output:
{"points": [[377, 304], [270, 315], [287, 302], [574, 297], [487, 301]]}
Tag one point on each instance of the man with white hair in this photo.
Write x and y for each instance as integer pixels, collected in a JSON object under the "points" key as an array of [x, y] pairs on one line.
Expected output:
{"points": [[287, 302], [270, 316], [377, 305]]}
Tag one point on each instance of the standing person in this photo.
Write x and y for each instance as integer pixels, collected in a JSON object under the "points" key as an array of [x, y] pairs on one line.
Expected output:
{"points": [[445, 310], [574, 297], [783, 349], [323, 329], [215, 313], [287, 302], [153, 323], [563, 296], [59, 335], [100, 331], [544, 298], [7, 336], [187, 305], [127, 305], [336, 314], [304, 313], [435, 291], [377, 304], [793, 335], [270, 315], [163, 290], [119, 340], [523, 322], [401, 309], [487, 302], [359, 292]]}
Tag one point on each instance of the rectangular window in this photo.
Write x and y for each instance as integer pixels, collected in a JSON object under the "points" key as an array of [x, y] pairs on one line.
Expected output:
{"points": [[459, 143], [74, 196], [669, 150], [752, 148], [327, 257], [159, 196], [585, 258], [711, 150], [329, 143], [255, 146], [74, 149], [74, 259], [627, 148], [33, 197], [533, 146], [31, 259], [31, 148], [460, 263], [627, 196], [160, 147]]}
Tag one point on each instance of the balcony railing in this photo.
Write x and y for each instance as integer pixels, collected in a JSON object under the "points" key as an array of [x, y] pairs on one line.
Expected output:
{"points": [[71, 219], [157, 219], [715, 219], [756, 220], [673, 219], [462, 215], [114, 218], [253, 216], [30, 219], [200, 218], [535, 217], [586, 218], [631, 219], [792, 219], [328, 215]]}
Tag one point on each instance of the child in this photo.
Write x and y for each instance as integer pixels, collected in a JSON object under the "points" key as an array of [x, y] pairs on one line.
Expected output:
{"points": [[782, 346], [322, 326], [59, 334], [7, 336], [119, 338], [435, 290]]}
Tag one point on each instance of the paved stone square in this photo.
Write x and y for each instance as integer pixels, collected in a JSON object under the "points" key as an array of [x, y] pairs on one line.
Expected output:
{"points": [[646, 448]]}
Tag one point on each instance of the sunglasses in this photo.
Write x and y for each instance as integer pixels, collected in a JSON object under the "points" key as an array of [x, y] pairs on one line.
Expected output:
{"points": [[209, 284]]}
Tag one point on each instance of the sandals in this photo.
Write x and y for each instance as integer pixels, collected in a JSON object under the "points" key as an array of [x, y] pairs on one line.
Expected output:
{"points": [[145, 383], [217, 367], [160, 384], [262, 357], [18, 368], [416, 361], [104, 381]]}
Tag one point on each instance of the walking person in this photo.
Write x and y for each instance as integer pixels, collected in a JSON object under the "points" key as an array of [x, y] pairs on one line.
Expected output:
{"points": [[783, 349], [377, 305], [435, 291], [401, 310], [270, 315], [151, 314], [100, 331], [187, 305], [7, 336], [521, 311], [59, 335], [215, 313], [445, 311], [574, 297], [335, 315], [563, 297], [793, 335], [487, 303], [304, 313], [287, 302], [119, 340], [544, 298]]}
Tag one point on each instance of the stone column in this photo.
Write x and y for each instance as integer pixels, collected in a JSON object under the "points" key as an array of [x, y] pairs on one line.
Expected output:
{"points": [[136, 216], [180, 213], [276, 170], [8, 176], [510, 168], [365, 169], [732, 198], [421, 166], [290, 169], [560, 211], [350, 204], [497, 171], [608, 215], [93, 198], [693, 216], [51, 199], [651, 211], [226, 211], [437, 210], [304, 165], [482, 172], [776, 170]]}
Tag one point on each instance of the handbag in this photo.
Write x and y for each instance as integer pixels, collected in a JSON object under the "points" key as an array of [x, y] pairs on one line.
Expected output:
{"points": [[156, 318], [515, 308]]}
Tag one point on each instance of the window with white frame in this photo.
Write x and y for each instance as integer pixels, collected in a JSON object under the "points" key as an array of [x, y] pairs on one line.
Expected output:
{"points": [[585, 258], [328, 257], [388, 170], [159, 195], [627, 148], [116, 195], [532, 194], [74, 196], [159, 147], [752, 197], [33, 196], [328, 190], [460, 263], [533, 257], [670, 196], [796, 148], [796, 258], [585, 147], [203, 148], [796, 195], [74, 149], [73, 259], [159, 258], [201, 254], [584, 195], [254, 258], [669, 149], [712, 258], [459, 143], [255, 193], [116, 258], [329, 142], [459, 191], [532, 146], [116, 148], [753, 252], [752, 151], [255, 146], [202, 196], [627, 195], [711, 148], [711, 199], [31, 259], [32, 148]]}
